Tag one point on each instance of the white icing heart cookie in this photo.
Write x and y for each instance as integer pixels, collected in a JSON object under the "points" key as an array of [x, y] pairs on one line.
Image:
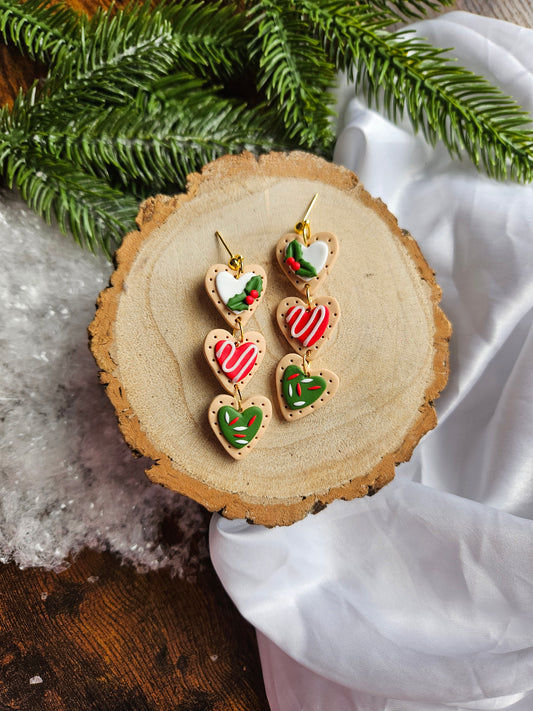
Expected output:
{"points": [[228, 286], [307, 265], [316, 256], [235, 298]]}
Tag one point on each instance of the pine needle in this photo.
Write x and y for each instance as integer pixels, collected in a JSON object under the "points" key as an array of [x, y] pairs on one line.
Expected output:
{"points": [[161, 137], [38, 28], [405, 74], [292, 70]]}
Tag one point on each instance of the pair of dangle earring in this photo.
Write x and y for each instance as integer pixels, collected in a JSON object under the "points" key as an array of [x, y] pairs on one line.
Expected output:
{"points": [[235, 357], [306, 260]]}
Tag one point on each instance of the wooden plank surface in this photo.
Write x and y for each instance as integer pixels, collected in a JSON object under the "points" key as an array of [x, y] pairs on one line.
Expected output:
{"points": [[101, 636]]}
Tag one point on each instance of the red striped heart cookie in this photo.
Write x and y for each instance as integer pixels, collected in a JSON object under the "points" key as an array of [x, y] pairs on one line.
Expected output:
{"points": [[308, 329], [307, 325], [236, 361], [233, 363]]}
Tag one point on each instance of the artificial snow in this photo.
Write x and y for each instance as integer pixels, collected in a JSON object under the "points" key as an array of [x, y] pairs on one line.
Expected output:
{"points": [[67, 479]]}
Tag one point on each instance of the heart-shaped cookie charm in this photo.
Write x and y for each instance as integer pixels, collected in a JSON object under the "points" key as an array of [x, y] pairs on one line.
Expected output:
{"points": [[300, 394], [307, 264], [232, 362], [235, 297], [239, 430], [308, 329]]}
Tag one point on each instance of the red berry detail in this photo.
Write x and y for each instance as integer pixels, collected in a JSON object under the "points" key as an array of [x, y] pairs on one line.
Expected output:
{"points": [[295, 266], [290, 261], [254, 293], [249, 299]]}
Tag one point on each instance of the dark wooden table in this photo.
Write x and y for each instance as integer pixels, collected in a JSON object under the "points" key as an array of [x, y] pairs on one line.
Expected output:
{"points": [[102, 636]]}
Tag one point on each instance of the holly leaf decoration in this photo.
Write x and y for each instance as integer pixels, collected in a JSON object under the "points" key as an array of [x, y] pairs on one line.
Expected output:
{"points": [[295, 250], [306, 270], [238, 302], [256, 282]]}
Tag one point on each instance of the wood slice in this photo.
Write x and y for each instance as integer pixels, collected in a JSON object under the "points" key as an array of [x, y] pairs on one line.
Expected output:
{"points": [[390, 349]]}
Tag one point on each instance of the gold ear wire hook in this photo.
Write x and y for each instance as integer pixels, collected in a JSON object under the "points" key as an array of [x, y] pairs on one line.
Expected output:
{"points": [[236, 261], [303, 227]]}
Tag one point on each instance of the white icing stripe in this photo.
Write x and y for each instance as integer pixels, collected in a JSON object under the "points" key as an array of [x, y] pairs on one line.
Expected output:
{"points": [[247, 355], [309, 329]]}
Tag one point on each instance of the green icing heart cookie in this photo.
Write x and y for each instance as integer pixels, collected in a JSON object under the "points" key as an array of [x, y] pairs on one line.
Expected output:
{"points": [[239, 428], [301, 390]]}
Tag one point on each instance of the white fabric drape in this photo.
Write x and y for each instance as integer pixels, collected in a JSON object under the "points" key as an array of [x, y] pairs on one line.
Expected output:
{"points": [[421, 597]]}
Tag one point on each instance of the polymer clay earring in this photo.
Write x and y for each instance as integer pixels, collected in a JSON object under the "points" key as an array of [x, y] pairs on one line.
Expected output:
{"points": [[308, 324], [235, 356]]}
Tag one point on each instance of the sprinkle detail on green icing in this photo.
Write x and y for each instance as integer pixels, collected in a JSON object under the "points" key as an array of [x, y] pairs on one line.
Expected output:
{"points": [[301, 390], [239, 428]]}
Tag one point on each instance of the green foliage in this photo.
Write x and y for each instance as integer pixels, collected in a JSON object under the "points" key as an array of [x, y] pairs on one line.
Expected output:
{"points": [[404, 74], [208, 36], [293, 71], [136, 99], [159, 138], [87, 207], [38, 28]]}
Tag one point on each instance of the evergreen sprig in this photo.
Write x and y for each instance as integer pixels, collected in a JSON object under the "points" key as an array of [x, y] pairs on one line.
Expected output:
{"points": [[95, 213], [442, 99], [38, 28], [136, 99], [161, 137], [208, 36], [293, 71], [408, 9]]}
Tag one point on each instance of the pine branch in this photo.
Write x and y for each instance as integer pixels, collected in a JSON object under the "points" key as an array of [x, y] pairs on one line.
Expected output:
{"points": [[292, 70], [38, 28], [158, 139], [116, 55], [443, 100], [93, 212], [123, 112], [208, 36], [86, 207]]}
